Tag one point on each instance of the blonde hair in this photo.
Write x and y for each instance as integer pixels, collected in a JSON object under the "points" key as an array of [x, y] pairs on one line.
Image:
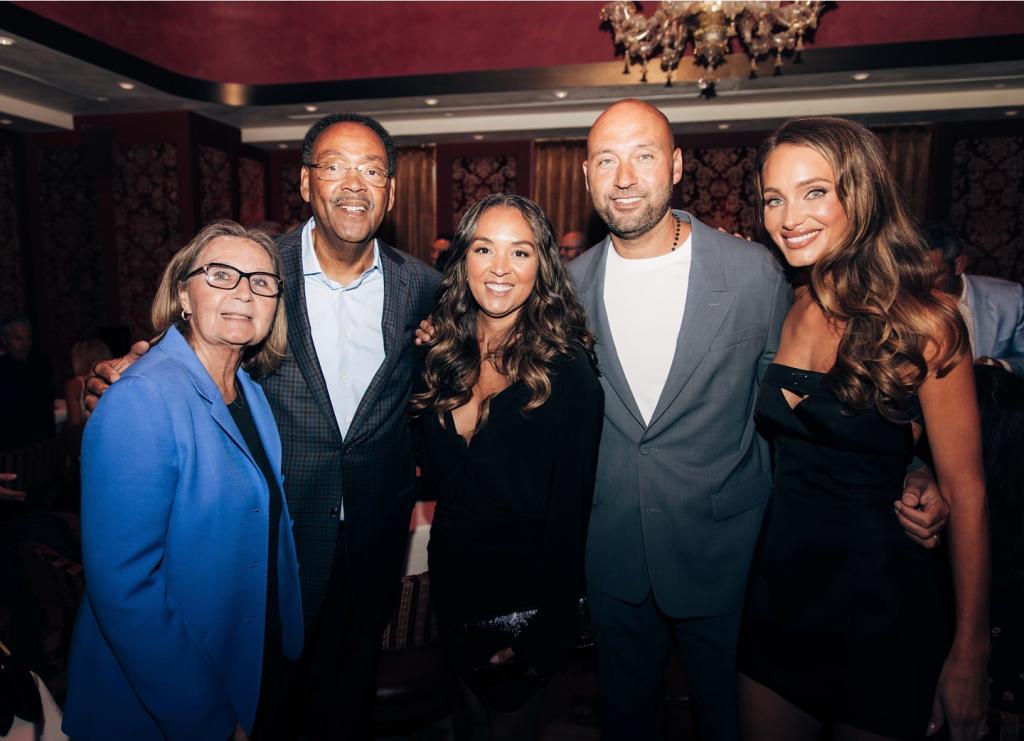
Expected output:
{"points": [[877, 284], [258, 359]]}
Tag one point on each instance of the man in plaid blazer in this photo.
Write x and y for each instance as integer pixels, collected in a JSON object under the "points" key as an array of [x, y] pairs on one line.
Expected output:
{"points": [[340, 400]]}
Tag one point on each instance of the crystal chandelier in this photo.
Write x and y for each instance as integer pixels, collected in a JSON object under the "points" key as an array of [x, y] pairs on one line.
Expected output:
{"points": [[762, 28]]}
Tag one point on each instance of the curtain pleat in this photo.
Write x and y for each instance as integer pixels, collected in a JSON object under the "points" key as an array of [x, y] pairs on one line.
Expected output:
{"points": [[909, 150], [559, 188], [410, 224]]}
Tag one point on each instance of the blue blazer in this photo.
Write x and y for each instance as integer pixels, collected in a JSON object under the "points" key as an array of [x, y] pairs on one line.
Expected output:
{"points": [[998, 308], [169, 638]]}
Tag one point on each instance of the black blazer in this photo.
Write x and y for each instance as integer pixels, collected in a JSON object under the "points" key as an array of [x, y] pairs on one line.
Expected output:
{"points": [[372, 469]]}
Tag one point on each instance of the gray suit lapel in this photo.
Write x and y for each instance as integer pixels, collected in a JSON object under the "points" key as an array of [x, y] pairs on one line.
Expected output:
{"points": [[300, 337], [707, 304], [396, 291], [592, 298]]}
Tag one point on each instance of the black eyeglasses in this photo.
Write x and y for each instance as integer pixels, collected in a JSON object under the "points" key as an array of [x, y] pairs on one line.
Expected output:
{"points": [[227, 277]]}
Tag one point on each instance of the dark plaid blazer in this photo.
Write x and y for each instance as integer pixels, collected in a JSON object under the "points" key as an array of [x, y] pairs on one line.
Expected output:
{"points": [[372, 469]]}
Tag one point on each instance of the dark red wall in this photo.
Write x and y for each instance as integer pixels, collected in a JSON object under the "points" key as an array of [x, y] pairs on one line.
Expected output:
{"points": [[281, 42]]}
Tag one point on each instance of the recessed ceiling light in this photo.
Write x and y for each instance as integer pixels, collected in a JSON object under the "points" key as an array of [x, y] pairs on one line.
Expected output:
{"points": [[282, 146], [861, 76], [478, 137], [723, 126], [6, 41], [311, 108], [126, 85], [1011, 113], [5, 122], [431, 101], [561, 94]]}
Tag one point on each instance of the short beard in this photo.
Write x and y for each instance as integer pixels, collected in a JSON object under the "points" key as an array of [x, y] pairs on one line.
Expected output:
{"points": [[641, 223]]}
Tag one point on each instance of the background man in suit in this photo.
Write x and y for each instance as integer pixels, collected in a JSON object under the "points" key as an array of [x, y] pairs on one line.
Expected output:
{"points": [[992, 308], [686, 319], [339, 399]]}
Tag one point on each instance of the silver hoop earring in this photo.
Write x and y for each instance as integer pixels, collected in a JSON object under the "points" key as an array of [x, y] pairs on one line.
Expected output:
{"points": [[186, 315]]}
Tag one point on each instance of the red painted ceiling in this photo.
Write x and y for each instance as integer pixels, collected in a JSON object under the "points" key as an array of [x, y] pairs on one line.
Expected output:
{"points": [[282, 42]]}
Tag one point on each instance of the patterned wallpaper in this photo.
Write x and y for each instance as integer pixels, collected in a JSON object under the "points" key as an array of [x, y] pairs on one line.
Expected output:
{"points": [[72, 250], [252, 192], [12, 277], [147, 225], [987, 206], [473, 178], [718, 187], [214, 185], [295, 210]]}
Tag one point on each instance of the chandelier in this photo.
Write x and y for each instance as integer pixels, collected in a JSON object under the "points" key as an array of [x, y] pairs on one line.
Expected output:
{"points": [[762, 28]]}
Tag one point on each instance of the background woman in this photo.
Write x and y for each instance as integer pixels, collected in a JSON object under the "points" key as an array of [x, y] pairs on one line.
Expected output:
{"points": [[84, 355], [846, 619], [511, 412], [192, 592]]}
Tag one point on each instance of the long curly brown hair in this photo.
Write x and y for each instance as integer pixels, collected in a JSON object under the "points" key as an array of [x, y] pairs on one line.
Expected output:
{"points": [[877, 284], [550, 323]]}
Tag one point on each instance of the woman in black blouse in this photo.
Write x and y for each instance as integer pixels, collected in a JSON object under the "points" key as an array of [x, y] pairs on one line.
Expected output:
{"points": [[510, 412]]}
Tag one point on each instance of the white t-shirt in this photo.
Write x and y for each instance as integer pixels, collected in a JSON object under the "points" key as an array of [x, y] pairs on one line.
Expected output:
{"points": [[644, 300]]}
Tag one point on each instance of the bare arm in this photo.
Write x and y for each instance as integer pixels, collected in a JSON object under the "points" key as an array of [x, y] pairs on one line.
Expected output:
{"points": [[107, 372], [954, 432]]}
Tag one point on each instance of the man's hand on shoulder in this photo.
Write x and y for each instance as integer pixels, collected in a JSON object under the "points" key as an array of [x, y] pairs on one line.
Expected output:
{"points": [[921, 511], [107, 372]]}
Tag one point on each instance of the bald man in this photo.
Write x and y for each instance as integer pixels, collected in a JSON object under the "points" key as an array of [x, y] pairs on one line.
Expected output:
{"points": [[687, 318]]}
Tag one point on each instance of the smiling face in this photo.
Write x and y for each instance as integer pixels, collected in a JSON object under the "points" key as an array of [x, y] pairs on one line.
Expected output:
{"points": [[228, 319], [632, 165], [502, 263], [347, 211], [802, 211]]}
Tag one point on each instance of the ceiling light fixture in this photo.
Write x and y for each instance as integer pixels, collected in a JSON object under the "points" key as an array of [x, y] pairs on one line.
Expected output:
{"points": [[762, 28], [126, 85], [478, 137], [7, 41], [282, 146], [1011, 113], [861, 76], [561, 94], [311, 108], [431, 101], [723, 126]]}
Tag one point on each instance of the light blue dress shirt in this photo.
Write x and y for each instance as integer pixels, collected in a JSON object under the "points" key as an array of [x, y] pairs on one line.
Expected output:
{"points": [[346, 325]]}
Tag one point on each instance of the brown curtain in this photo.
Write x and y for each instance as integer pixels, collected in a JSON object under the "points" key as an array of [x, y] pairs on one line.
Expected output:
{"points": [[559, 189], [909, 150], [410, 224]]}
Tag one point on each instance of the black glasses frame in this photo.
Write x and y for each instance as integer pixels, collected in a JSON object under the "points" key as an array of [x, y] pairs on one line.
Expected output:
{"points": [[248, 276]]}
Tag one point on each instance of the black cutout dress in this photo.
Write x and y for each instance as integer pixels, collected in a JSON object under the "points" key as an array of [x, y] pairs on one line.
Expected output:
{"points": [[845, 617]]}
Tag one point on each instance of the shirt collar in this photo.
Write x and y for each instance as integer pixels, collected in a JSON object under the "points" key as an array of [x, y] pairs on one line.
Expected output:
{"points": [[311, 265]]}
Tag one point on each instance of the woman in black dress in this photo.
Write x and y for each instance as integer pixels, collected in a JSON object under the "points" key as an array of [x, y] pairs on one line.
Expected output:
{"points": [[848, 622], [510, 412]]}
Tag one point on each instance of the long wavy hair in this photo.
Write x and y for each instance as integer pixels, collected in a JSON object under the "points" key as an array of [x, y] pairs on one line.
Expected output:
{"points": [[877, 284], [550, 322]]}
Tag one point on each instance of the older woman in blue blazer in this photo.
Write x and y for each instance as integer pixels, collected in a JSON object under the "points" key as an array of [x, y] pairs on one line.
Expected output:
{"points": [[192, 589]]}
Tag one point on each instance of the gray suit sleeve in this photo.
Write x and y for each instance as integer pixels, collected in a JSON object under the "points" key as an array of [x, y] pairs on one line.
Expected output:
{"points": [[781, 301]]}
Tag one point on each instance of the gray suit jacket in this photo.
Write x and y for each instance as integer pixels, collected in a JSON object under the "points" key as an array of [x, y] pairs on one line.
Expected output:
{"points": [[998, 307], [372, 468], [678, 503]]}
